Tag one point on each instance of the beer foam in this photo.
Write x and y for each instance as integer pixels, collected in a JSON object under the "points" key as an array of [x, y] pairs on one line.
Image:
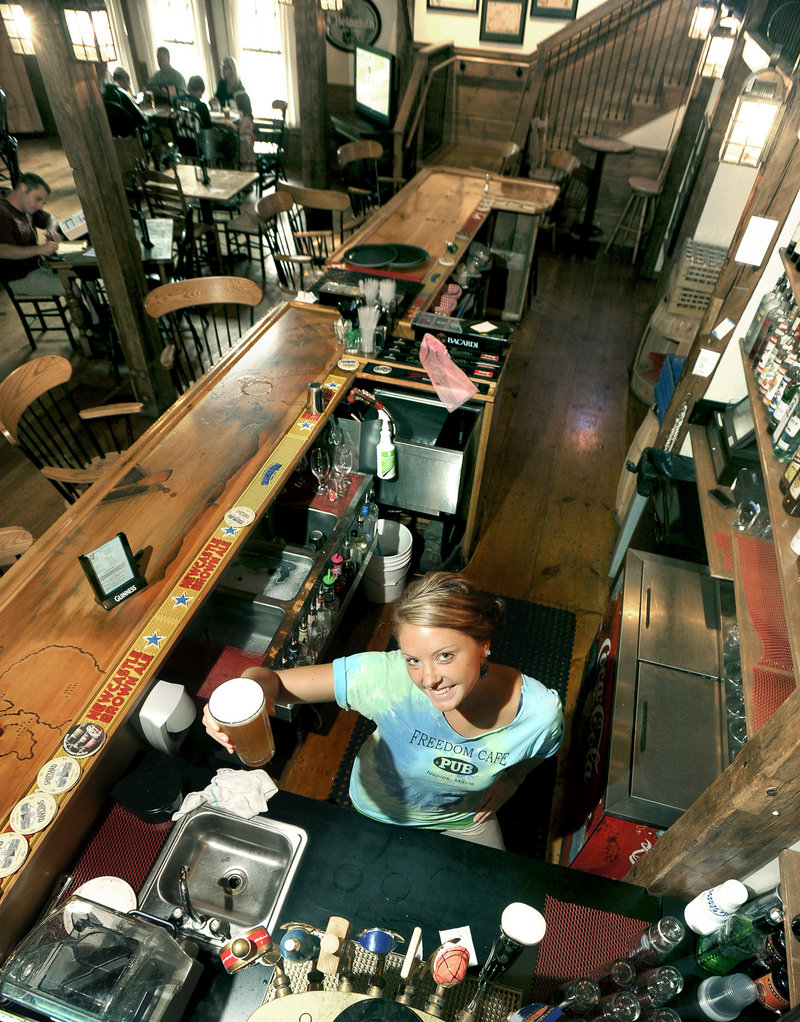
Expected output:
{"points": [[236, 701]]}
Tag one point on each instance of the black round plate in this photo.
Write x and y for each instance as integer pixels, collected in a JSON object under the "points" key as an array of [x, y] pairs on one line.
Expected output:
{"points": [[409, 256], [371, 256]]}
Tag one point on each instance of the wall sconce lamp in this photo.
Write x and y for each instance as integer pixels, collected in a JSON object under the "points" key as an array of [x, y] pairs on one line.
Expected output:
{"points": [[718, 48], [87, 25], [702, 19], [18, 28], [753, 120]]}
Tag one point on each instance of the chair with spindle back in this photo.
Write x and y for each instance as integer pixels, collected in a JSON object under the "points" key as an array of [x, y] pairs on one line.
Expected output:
{"points": [[39, 416], [269, 147], [291, 266], [359, 165], [200, 320], [318, 221]]}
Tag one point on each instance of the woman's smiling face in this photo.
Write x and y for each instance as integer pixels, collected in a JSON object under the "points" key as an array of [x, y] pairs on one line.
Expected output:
{"points": [[443, 663]]}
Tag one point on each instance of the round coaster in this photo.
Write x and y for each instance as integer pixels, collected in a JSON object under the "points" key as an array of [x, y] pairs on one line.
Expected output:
{"points": [[59, 775], [13, 852], [33, 813], [446, 261], [382, 370], [83, 740], [239, 516], [347, 363], [113, 892]]}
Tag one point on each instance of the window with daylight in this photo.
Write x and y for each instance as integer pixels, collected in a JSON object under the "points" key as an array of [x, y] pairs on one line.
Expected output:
{"points": [[262, 65], [177, 25]]}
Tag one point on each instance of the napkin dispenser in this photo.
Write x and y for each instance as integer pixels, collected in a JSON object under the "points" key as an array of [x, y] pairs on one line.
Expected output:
{"points": [[85, 962]]}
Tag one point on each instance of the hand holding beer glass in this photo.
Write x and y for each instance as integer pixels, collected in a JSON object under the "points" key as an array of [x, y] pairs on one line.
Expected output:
{"points": [[239, 708]]}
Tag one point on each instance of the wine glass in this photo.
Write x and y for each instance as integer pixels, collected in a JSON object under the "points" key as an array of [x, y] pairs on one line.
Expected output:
{"points": [[342, 466], [320, 466]]}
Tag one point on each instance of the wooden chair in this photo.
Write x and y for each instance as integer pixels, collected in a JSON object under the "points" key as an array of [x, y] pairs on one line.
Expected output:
{"points": [[14, 541], [200, 320], [270, 147], [640, 207], [163, 195], [39, 415], [39, 314], [358, 164], [562, 166], [186, 127], [317, 220], [291, 266]]}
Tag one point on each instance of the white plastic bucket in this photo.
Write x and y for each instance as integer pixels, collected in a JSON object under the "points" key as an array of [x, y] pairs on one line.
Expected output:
{"points": [[385, 575]]}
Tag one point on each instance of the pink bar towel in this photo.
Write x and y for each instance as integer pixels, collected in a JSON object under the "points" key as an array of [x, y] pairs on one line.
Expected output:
{"points": [[452, 385]]}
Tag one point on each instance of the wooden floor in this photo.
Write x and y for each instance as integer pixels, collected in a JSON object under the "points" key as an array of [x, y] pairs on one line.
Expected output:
{"points": [[564, 424]]}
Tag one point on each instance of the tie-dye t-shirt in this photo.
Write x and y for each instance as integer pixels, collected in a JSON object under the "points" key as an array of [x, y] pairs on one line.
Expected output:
{"points": [[415, 770]]}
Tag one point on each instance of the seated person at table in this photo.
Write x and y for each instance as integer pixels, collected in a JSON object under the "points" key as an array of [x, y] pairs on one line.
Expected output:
{"points": [[21, 212], [122, 80], [124, 116], [456, 734], [246, 132], [193, 99], [229, 84], [166, 83]]}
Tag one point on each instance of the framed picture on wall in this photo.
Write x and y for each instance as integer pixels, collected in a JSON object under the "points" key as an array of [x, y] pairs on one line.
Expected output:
{"points": [[503, 21], [565, 9], [454, 6]]}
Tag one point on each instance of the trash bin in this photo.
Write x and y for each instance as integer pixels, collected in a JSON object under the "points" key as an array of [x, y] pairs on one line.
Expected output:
{"points": [[385, 575]]}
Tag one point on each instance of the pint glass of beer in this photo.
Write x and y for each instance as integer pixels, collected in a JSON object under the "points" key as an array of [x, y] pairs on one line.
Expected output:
{"points": [[239, 706]]}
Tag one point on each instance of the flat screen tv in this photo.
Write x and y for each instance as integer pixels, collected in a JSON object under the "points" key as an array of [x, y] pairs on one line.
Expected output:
{"points": [[374, 84]]}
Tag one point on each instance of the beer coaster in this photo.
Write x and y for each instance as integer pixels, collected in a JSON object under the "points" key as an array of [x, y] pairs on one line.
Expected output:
{"points": [[59, 775], [83, 740], [33, 813], [13, 852], [113, 892], [447, 261], [348, 363], [239, 516], [382, 370]]}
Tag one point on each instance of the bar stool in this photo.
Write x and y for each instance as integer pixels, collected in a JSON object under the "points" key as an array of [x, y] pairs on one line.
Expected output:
{"points": [[638, 209]]}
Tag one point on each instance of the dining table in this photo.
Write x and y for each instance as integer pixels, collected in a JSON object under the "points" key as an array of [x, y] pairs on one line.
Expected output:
{"points": [[221, 186], [601, 146]]}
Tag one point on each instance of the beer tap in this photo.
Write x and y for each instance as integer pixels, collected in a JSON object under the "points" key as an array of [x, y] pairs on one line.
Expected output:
{"points": [[379, 942], [410, 968], [448, 965], [521, 926]]}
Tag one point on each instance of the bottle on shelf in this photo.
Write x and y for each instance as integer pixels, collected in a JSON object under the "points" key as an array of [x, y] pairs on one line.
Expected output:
{"points": [[656, 943], [739, 939], [361, 542], [772, 990], [769, 302], [722, 998], [356, 547], [302, 636], [791, 498], [622, 1006], [293, 652], [348, 562], [618, 974], [709, 910], [314, 641], [790, 472]]}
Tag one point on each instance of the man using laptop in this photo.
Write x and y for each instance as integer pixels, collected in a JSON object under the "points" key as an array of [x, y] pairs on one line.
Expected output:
{"points": [[21, 213]]}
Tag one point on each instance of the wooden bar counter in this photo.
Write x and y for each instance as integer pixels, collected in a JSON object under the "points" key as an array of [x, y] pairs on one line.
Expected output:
{"points": [[231, 440]]}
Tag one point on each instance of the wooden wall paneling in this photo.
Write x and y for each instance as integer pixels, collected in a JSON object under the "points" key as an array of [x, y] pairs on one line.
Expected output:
{"points": [[77, 105], [23, 113], [312, 79]]}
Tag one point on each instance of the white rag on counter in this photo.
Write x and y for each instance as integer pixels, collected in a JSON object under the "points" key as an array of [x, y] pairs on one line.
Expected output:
{"points": [[243, 793]]}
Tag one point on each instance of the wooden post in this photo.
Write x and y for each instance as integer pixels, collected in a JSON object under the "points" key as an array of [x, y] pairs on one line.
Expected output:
{"points": [[80, 116], [312, 80]]}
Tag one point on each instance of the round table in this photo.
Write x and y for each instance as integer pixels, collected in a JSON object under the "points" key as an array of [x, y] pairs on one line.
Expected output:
{"points": [[601, 147]]}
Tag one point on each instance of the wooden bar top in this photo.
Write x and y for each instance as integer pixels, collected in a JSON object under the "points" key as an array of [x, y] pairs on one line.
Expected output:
{"points": [[233, 438], [442, 205]]}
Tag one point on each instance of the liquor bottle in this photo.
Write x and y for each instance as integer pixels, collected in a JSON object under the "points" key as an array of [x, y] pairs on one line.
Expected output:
{"points": [[314, 642], [348, 562], [769, 302], [708, 911], [740, 938], [360, 542], [790, 472], [791, 248], [656, 943], [622, 1006], [302, 638], [772, 990], [329, 597], [366, 522], [617, 974], [791, 499], [293, 653]]}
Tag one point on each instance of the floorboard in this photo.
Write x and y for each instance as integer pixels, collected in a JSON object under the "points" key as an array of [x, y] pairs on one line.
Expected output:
{"points": [[564, 423]]}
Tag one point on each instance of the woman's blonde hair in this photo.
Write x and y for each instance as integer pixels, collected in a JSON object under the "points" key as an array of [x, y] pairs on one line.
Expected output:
{"points": [[230, 60], [444, 599]]}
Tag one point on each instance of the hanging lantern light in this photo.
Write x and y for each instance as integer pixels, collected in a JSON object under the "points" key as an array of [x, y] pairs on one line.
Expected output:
{"points": [[719, 46], [702, 19], [754, 117]]}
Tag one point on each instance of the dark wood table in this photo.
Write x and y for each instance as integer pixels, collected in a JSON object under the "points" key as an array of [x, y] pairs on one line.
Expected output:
{"points": [[601, 147]]}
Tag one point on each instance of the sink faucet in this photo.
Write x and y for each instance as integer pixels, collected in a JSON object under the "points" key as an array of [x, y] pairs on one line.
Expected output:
{"points": [[183, 888]]}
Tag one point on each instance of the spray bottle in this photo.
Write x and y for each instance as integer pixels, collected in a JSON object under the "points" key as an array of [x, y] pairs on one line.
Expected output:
{"points": [[386, 451]]}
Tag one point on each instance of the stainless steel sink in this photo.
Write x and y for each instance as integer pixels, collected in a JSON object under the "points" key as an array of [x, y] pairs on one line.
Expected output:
{"points": [[292, 524], [228, 621], [259, 570], [238, 871]]}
